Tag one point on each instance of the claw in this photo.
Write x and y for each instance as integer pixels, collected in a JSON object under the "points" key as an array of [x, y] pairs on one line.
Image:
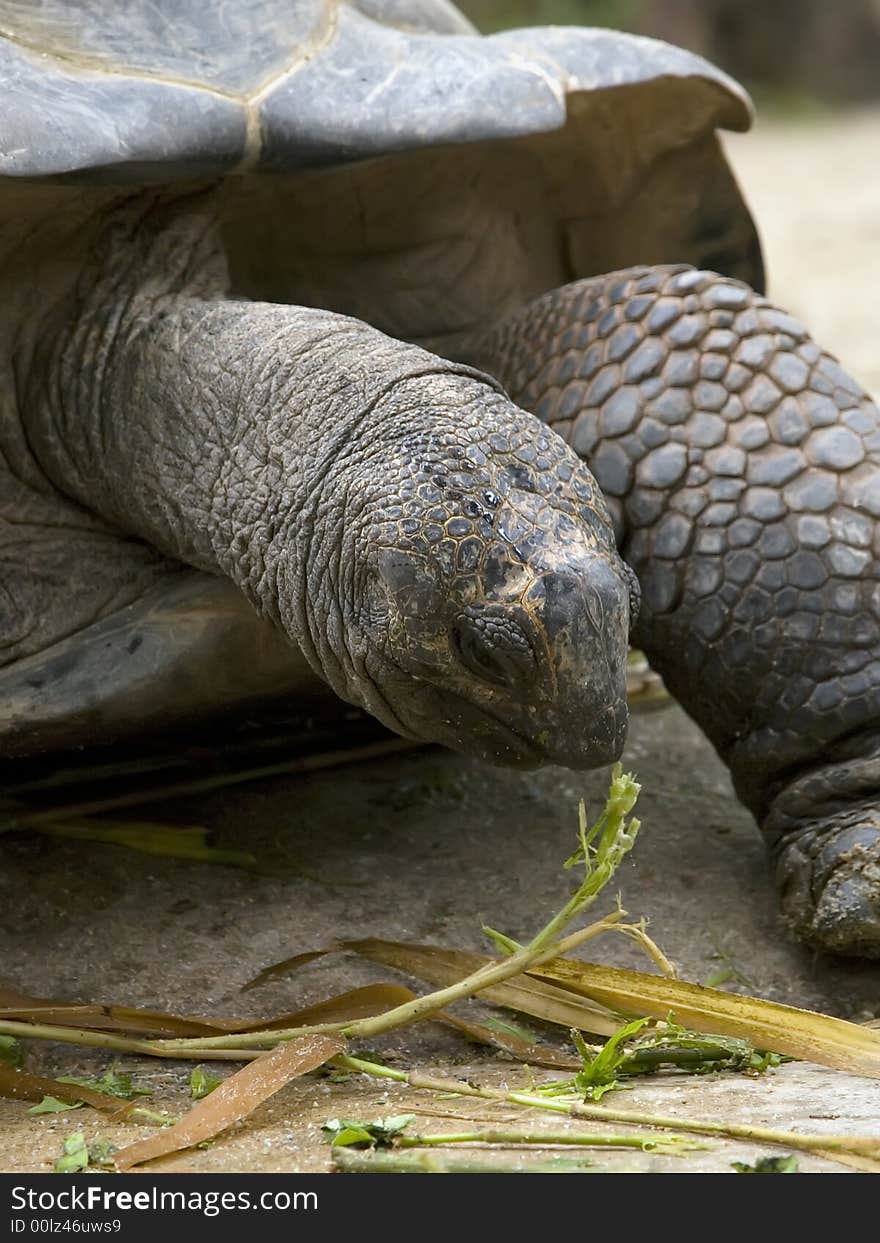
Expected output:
{"points": [[829, 880]]}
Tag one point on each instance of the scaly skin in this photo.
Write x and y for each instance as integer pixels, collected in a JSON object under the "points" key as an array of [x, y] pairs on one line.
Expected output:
{"points": [[742, 466]]}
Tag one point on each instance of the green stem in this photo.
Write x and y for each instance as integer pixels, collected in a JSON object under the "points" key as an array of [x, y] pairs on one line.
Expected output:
{"points": [[826, 1145], [646, 1142], [350, 1161], [139, 1114], [74, 1035], [612, 841], [121, 1044]]}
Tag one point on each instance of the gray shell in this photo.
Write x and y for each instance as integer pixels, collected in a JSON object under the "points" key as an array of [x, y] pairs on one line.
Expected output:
{"points": [[128, 89]]}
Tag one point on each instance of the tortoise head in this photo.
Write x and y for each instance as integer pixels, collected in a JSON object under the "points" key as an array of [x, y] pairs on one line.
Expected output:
{"points": [[490, 609]]}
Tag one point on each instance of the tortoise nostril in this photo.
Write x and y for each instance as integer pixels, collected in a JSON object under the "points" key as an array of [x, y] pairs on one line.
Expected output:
{"points": [[494, 648]]}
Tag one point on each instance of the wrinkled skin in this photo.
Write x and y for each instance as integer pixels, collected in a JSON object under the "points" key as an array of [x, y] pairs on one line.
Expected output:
{"points": [[440, 558], [446, 560], [495, 604]]}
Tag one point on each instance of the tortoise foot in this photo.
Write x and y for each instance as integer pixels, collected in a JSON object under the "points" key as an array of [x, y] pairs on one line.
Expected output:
{"points": [[829, 880]]}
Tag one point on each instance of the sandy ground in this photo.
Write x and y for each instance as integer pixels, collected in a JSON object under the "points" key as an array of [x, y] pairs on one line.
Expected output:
{"points": [[429, 845]]}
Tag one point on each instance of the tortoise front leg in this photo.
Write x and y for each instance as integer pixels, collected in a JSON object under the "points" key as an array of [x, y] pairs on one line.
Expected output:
{"points": [[743, 469]]}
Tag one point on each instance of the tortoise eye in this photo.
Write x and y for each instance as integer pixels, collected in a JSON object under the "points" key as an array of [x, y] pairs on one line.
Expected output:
{"points": [[495, 650]]}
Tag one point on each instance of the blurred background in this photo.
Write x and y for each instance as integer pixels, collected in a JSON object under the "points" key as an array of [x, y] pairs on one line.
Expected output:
{"points": [[808, 167], [802, 52]]}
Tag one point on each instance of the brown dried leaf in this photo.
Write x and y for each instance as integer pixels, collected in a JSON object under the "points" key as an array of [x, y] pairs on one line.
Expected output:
{"points": [[12, 997], [358, 1003], [287, 966], [347, 1007], [120, 1019], [236, 1098], [183, 841], [20, 1085], [97, 1017]]}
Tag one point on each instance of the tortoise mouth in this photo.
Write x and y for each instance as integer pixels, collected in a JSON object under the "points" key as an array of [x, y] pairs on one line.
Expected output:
{"points": [[499, 743], [456, 721], [453, 720]]}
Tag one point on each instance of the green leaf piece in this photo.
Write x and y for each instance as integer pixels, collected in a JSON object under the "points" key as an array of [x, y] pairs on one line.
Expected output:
{"points": [[11, 1052], [172, 841], [696, 1053], [202, 1083], [608, 837], [504, 943], [101, 1153], [626, 1054], [600, 1069], [52, 1105], [599, 1074], [111, 1083], [506, 1028], [601, 851], [769, 1165], [74, 1154], [723, 975], [77, 1155], [346, 1133]]}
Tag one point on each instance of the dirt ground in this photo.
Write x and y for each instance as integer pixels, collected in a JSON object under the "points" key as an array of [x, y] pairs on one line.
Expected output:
{"points": [[428, 845]]}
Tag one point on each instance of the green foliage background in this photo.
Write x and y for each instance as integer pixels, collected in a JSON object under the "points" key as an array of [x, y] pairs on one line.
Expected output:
{"points": [[502, 14]]}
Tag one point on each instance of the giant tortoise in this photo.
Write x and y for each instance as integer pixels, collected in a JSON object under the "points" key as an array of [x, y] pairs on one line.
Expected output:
{"points": [[281, 281]]}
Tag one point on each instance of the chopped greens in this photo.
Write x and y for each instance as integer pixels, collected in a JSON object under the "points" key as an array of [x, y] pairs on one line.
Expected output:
{"points": [[202, 1083], [11, 1052], [600, 852], [74, 1154], [769, 1165], [52, 1105], [599, 1073], [623, 1056], [346, 1133], [697, 1053], [77, 1154], [506, 1028], [111, 1083]]}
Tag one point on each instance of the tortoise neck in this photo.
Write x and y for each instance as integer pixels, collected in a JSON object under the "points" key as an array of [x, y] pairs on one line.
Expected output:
{"points": [[225, 433]]}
